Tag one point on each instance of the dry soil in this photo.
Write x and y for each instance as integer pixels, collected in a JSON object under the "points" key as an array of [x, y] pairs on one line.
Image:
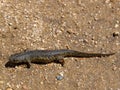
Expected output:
{"points": [[83, 25]]}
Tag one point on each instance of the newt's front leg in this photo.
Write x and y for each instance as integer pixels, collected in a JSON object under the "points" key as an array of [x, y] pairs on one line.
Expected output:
{"points": [[28, 63]]}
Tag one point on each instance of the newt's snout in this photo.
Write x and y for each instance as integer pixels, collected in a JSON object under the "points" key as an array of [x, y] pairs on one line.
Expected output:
{"points": [[14, 59]]}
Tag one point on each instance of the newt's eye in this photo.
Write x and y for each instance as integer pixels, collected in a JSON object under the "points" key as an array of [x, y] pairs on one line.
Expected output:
{"points": [[12, 59]]}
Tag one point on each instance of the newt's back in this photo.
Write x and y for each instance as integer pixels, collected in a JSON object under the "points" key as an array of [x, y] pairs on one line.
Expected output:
{"points": [[65, 53], [47, 56]]}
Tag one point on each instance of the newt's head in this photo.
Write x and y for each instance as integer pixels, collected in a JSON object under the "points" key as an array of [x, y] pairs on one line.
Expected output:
{"points": [[17, 58]]}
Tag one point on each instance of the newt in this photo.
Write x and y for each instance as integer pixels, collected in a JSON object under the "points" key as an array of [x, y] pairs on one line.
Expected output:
{"points": [[49, 56]]}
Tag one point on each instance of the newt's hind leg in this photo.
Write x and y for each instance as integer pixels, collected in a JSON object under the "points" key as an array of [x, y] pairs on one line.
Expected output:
{"points": [[61, 61]]}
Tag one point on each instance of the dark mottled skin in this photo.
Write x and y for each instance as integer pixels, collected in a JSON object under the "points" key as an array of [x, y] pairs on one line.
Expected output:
{"points": [[48, 56]]}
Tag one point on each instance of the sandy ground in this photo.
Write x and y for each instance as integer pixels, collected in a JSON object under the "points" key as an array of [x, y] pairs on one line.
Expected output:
{"points": [[83, 25]]}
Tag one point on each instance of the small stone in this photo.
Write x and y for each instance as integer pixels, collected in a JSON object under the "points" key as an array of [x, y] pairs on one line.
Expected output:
{"points": [[25, 87], [60, 76], [10, 24], [85, 41], [41, 83], [107, 1], [70, 31], [61, 73], [9, 88], [114, 68], [116, 34], [116, 25]]}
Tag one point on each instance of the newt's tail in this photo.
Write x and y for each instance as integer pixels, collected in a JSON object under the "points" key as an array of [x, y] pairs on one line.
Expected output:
{"points": [[72, 53]]}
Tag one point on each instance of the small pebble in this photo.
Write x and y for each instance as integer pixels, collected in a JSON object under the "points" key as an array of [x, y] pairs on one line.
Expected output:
{"points": [[25, 87], [70, 31], [9, 88], [116, 34], [116, 25], [59, 77], [114, 68], [85, 41], [107, 1]]}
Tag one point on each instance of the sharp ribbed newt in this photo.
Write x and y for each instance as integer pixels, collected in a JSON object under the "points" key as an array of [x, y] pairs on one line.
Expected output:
{"points": [[48, 56]]}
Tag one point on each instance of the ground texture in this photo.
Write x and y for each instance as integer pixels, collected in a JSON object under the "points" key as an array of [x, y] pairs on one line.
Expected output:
{"points": [[83, 25]]}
